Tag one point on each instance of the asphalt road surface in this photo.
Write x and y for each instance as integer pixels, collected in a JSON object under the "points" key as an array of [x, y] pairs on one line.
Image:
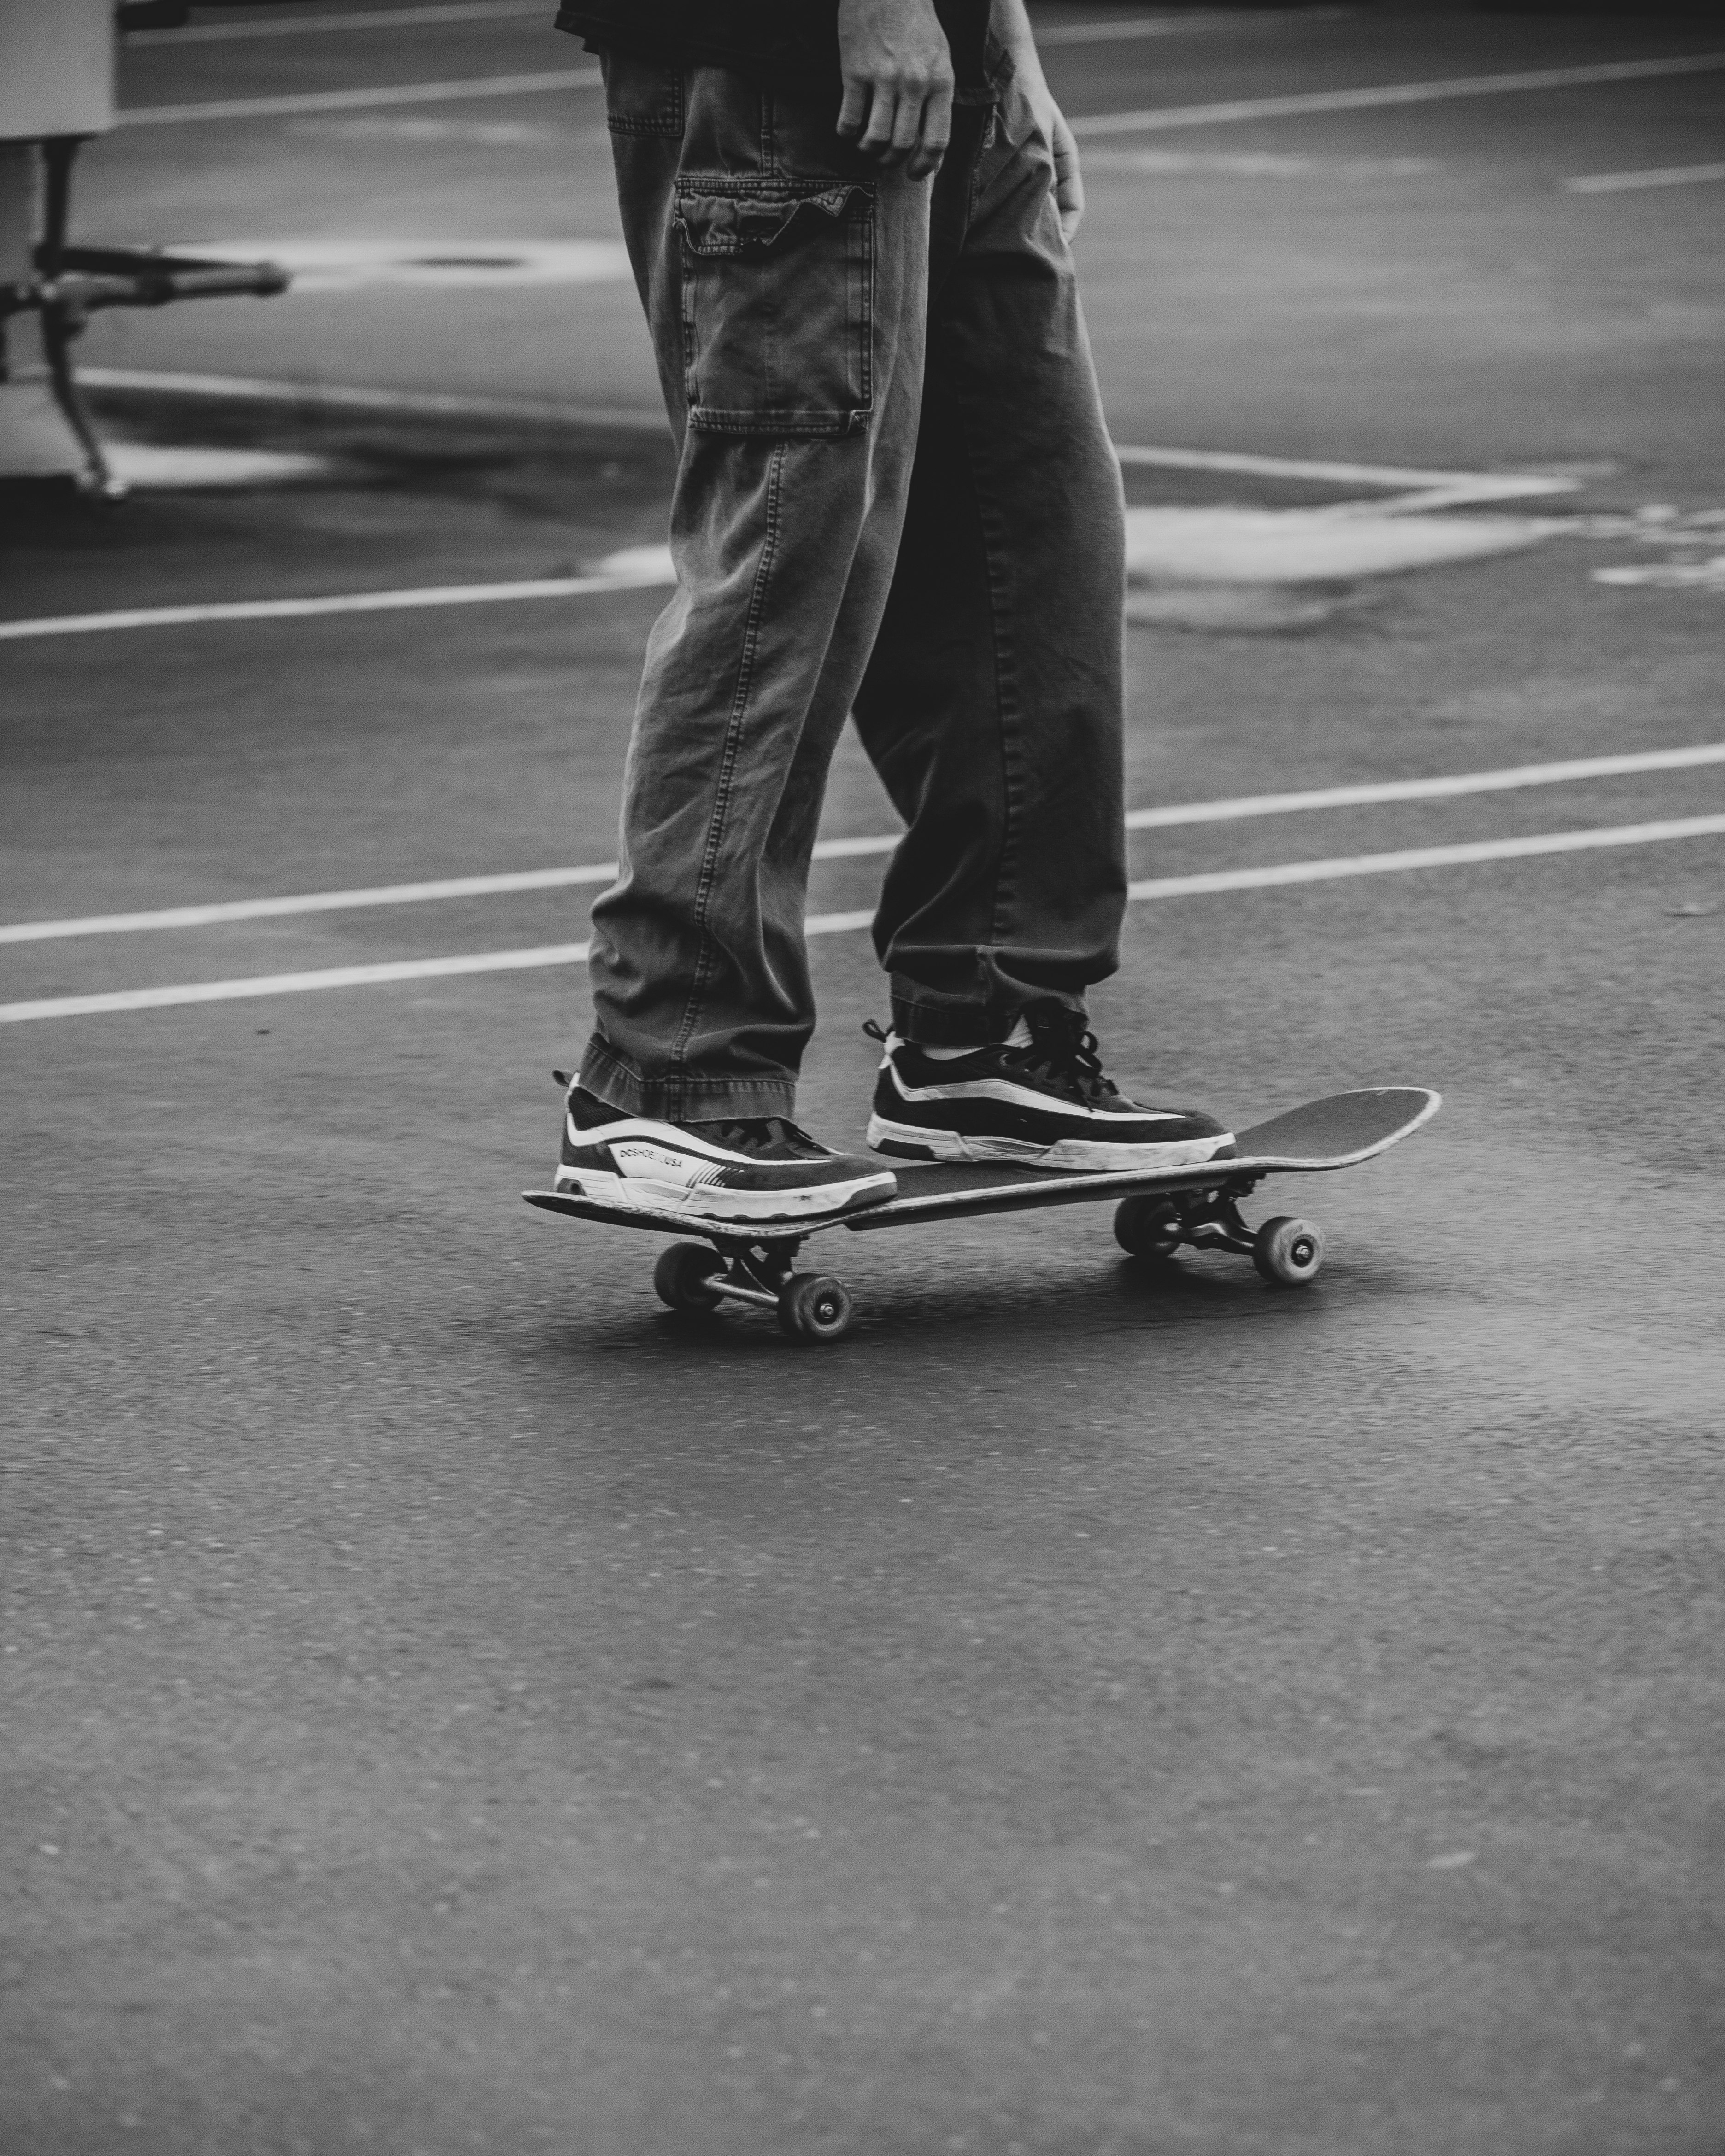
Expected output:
{"points": [[450, 1703]]}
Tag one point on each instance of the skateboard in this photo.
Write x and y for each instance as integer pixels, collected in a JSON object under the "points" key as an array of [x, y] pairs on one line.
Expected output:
{"points": [[1158, 1211]]}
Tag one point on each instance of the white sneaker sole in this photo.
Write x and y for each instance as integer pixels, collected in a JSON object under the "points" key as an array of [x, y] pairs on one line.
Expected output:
{"points": [[638, 1194], [1083, 1156]]}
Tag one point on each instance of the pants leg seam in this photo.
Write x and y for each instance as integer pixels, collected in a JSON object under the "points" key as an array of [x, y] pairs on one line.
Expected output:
{"points": [[728, 766], [1009, 718]]}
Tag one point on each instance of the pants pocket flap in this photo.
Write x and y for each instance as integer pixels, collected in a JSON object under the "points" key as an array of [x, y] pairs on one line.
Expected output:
{"points": [[752, 224]]}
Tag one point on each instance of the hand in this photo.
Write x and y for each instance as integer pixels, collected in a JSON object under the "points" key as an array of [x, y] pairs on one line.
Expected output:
{"points": [[1012, 27], [898, 82], [1069, 180]]}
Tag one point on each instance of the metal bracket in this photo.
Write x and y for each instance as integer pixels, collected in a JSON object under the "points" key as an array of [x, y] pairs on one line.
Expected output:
{"points": [[1210, 1220], [754, 1272]]}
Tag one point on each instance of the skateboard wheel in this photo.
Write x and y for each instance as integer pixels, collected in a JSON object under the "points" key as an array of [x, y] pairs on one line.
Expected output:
{"points": [[1288, 1251], [814, 1306], [681, 1276], [1146, 1227]]}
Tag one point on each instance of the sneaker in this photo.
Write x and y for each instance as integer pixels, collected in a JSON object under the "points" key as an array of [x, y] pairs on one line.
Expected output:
{"points": [[1040, 1097], [758, 1168]]}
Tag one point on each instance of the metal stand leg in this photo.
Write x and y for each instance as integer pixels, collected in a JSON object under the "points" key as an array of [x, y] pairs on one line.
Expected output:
{"points": [[60, 325]]}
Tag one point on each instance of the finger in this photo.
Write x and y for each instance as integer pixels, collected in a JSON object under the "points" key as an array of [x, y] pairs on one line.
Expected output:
{"points": [[936, 133], [853, 109], [1068, 200], [907, 119], [1069, 187], [876, 139]]}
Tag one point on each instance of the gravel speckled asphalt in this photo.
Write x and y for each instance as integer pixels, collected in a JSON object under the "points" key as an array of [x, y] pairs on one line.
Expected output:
{"points": [[447, 1704]]}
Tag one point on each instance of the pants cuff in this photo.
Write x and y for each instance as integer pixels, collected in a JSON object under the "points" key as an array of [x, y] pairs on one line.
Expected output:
{"points": [[950, 1023], [681, 1095]]}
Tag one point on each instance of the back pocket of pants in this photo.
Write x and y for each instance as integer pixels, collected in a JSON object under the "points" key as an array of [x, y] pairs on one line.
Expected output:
{"points": [[777, 305]]}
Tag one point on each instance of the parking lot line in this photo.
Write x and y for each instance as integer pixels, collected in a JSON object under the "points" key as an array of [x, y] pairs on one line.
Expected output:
{"points": [[1439, 489], [1228, 112], [288, 984], [1426, 857], [370, 19], [360, 100], [1372, 793], [1050, 34], [1369, 793], [1663, 176], [828, 924], [1446, 485], [489, 11], [1234, 111], [220, 912], [424, 595], [1450, 787], [429, 403]]}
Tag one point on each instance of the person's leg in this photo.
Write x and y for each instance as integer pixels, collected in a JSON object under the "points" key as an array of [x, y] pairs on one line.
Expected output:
{"points": [[992, 707], [785, 283]]}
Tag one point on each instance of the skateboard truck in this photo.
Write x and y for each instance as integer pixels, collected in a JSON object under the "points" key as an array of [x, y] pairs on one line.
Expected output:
{"points": [[697, 1277], [1285, 1249]]}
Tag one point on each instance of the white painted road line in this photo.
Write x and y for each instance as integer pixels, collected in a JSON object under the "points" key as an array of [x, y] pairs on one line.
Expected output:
{"points": [[1471, 486], [293, 984], [832, 924], [251, 388], [371, 18], [1669, 576], [220, 912], [1176, 813], [1439, 489], [312, 901], [1512, 777], [488, 11], [1171, 26], [354, 396], [427, 595], [1445, 486], [1242, 165], [1422, 857], [454, 262], [1664, 176], [363, 100], [1234, 111]]}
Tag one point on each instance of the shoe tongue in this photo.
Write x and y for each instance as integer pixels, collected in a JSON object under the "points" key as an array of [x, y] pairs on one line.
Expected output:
{"points": [[753, 1134], [1019, 1037], [763, 1135], [1057, 1031]]}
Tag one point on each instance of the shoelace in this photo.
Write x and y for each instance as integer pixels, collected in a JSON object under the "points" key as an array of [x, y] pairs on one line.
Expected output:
{"points": [[760, 1134], [1063, 1050]]}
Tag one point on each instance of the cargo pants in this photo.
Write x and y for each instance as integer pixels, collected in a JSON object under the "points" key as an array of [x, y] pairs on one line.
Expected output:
{"points": [[896, 498]]}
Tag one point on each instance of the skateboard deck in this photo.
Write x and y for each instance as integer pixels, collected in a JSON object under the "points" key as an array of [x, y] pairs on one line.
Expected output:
{"points": [[1158, 1209]]}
